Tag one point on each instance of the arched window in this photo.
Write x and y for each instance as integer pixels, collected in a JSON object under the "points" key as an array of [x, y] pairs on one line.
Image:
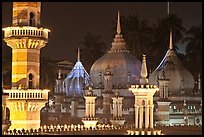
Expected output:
{"points": [[30, 82], [32, 19]]}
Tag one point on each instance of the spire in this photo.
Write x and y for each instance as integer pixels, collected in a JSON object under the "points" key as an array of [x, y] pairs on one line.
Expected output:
{"points": [[117, 92], [170, 41], [78, 55], [118, 24], [59, 74], [144, 67], [144, 71], [168, 8]]}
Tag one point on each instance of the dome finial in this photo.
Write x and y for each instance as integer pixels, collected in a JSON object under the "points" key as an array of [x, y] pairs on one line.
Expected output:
{"points": [[78, 55], [118, 24], [168, 8], [59, 74], [144, 70], [170, 41]]}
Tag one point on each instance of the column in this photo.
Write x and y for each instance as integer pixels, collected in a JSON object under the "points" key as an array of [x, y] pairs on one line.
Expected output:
{"points": [[151, 116], [146, 116], [93, 108], [161, 93], [120, 109], [87, 109], [164, 91], [136, 116], [90, 109], [114, 113], [141, 117], [4, 112], [117, 109]]}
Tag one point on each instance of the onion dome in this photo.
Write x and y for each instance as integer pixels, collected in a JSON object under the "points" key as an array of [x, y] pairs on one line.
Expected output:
{"points": [[123, 65], [180, 79]]}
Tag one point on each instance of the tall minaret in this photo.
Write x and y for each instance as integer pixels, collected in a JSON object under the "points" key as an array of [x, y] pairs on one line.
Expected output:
{"points": [[26, 38]]}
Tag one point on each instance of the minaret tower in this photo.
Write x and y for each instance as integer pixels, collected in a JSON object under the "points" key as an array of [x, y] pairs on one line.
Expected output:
{"points": [[117, 110], [107, 93], [26, 38], [144, 107], [90, 120]]}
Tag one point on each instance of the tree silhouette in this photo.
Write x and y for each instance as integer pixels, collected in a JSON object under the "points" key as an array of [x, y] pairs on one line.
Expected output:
{"points": [[91, 49], [194, 49]]}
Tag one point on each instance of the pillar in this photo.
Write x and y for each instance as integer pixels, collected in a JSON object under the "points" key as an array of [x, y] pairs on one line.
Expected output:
{"points": [[87, 109], [136, 116], [141, 117], [4, 112], [93, 110], [151, 116], [146, 116]]}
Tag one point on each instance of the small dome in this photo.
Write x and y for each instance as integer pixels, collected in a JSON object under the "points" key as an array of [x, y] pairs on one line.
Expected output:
{"points": [[77, 79], [179, 77], [123, 65]]}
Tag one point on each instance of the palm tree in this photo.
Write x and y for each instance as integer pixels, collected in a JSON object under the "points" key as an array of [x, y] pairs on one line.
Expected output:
{"points": [[91, 49], [194, 49], [48, 73]]}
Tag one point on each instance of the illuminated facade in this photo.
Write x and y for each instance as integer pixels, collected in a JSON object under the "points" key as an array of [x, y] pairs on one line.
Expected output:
{"points": [[26, 38], [176, 86], [144, 106], [168, 107]]}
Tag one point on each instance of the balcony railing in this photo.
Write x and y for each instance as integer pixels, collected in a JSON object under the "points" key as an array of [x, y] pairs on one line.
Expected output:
{"points": [[27, 94], [26, 31]]}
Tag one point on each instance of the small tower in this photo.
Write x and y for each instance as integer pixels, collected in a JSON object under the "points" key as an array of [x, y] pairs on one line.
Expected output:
{"points": [[199, 83], [107, 93], [26, 38], [162, 114], [5, 122], [74, 105], [90, 120], [144, 107], [117, 110], [58, 94], [108, 80]]}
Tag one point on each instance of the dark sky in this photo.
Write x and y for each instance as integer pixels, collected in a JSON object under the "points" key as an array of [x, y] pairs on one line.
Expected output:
{"points": [[70, 21]]}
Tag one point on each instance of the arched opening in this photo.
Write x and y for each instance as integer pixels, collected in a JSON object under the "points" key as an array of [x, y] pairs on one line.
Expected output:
{"points": [[30, 82], [32, 19]]}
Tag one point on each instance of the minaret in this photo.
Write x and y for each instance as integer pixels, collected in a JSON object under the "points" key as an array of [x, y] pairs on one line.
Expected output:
{"points": [[74, 105], [162, 114], [144, 107], [107, 93], [90, 120], [117, 110], [26, 38], [199, 83], [59, 80], [163, 87], [58, 94]]}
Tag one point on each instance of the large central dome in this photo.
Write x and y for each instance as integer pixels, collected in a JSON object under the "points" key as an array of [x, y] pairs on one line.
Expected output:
{"points": [[123, 65]]}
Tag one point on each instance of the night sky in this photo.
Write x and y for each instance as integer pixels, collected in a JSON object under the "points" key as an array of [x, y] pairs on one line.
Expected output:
{"points": [[70, 21]]}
